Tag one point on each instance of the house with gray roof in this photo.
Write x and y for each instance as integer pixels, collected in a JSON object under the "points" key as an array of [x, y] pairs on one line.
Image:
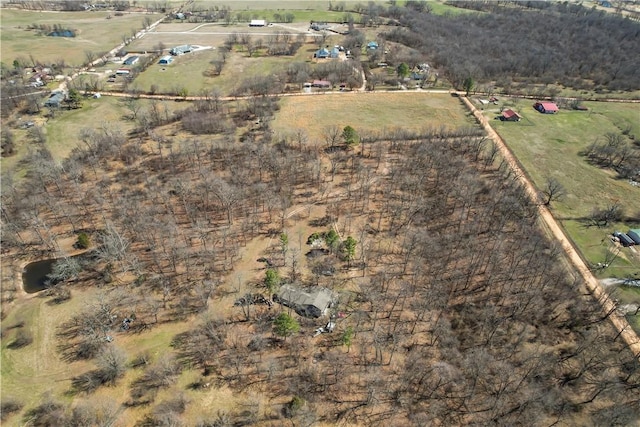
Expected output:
{"points": [[308, 303]]}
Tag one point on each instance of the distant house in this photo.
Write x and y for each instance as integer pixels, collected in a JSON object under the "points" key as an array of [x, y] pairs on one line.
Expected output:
{"points": [[335, 52], [258, 23], [605, 3], [510, 116], [372, 45], [634, 234], [55, 100], [322, 53], [322, 84], [181, 50], [546, 107], [166, 60], [131, 60], [123, 71], [306, 303], [319, 26]]}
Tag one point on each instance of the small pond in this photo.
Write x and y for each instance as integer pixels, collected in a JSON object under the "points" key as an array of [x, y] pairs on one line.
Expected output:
{"points": [[34, 275]]}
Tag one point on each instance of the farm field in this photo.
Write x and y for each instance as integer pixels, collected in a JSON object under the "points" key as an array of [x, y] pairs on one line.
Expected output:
{"points": [[550, 145], [96, 33], [369, 112]]}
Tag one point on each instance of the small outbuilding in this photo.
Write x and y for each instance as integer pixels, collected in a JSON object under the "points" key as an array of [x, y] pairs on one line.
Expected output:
{"points": [[131, 60], [546, 107], [166, 60], [510, 116], [181, 50], [624, 239], [634, 234], [258, 23], [314, 303], [372, 45]]}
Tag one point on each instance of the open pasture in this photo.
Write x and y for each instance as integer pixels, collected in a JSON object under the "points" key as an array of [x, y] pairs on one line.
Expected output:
{"points": [[370, 112], [96, 33], [549, 146]]}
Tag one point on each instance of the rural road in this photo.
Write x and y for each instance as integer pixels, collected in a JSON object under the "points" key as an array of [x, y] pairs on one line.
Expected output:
{"points": [[593, 285]]}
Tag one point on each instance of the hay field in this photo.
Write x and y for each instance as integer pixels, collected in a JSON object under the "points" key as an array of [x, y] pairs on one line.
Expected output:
{"points": [[369, 112]]}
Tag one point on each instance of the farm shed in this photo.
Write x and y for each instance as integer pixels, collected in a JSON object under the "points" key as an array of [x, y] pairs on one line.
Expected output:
{"points": [[309, 304], [131, 60], [510, 116], [123, 71], [624, 239], [181, 50], [166, 60], [634, 234], [546, 107], [257, 23]]}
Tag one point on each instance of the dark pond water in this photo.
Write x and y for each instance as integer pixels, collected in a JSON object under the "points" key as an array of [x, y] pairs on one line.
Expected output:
{"points": [[34, 275]]}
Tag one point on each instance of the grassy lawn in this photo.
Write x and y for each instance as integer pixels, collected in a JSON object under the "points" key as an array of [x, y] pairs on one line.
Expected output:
{"points": [[369, 112], [187, 71], [549, 146], [96, 33], [63, 131]]}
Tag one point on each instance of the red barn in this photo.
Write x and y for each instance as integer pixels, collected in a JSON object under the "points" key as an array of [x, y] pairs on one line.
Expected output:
{"points": [[546, 107], [510, 116]]}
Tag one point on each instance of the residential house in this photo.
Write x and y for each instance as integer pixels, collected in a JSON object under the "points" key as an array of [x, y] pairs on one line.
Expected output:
{"points": [[319, 26], [510, 116], [335, 53], [322, 53], [546, 107], [312, 303], [322, 84], [55, 99], [372, 45], [166, 60]]}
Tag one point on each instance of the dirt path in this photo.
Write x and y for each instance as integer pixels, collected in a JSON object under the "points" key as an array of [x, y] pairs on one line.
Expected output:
{"points": [[594, 286]]}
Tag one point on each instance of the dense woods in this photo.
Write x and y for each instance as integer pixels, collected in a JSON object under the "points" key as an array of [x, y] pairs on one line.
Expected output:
{"points": [[455, 309], [534, 42]]}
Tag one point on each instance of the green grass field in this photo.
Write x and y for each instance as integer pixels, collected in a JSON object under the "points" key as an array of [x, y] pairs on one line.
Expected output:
{"points": [[96, 33], [550, 146]]}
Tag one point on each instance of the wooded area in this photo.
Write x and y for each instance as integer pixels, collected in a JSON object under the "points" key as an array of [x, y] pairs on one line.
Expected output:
{"points": [[535, 42], [456, 310]]}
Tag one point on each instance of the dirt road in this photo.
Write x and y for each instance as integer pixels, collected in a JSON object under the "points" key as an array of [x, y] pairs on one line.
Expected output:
{"points": [[593, 285]]}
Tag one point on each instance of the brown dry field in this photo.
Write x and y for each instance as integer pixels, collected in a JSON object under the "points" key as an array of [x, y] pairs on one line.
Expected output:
{"points": [[369, 112]]}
